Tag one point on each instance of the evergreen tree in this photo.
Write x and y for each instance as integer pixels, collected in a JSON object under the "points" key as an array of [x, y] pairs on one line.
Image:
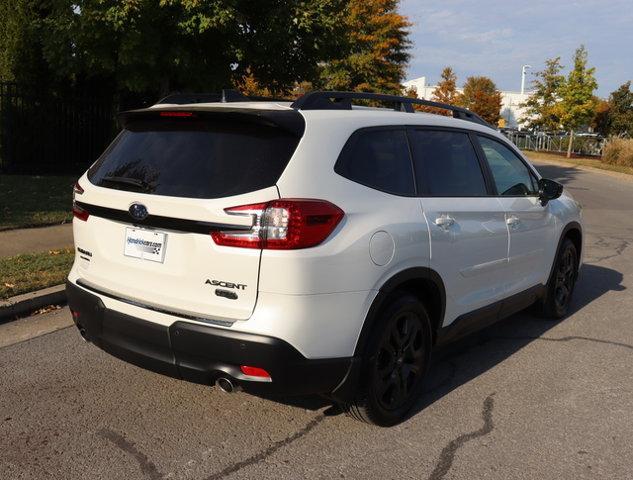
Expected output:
{"points": [[541, 111]]}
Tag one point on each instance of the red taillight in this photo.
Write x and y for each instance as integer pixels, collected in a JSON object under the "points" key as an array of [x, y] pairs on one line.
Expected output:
{"points": [[254, 371], [80, 213], [176, 114], [284, 224]]}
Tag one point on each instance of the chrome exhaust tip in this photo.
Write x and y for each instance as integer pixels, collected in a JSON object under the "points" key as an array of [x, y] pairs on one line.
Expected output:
{"points": [[225, 385], [82, 332]]}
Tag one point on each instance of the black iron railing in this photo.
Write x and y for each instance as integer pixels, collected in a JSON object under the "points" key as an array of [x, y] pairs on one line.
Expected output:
{"points": [[50, 133]]}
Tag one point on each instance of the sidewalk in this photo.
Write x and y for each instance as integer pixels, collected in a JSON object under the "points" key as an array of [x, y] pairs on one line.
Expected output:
{"points": [[28, 240]]}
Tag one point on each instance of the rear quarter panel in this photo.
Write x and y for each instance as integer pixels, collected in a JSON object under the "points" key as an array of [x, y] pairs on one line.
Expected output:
{"points": [[343, 262]]}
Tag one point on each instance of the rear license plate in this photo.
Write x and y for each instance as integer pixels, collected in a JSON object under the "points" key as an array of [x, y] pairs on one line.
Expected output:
{"points": [[145, 244]]}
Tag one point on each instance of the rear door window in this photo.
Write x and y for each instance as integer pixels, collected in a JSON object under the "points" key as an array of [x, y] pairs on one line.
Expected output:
{"points": [[446, 164], [194, 158], [380, 159]]}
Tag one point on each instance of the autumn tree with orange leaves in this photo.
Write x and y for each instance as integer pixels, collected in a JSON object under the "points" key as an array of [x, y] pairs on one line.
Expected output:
{"points": [[446, 91], [374, 49], [482, 97]]}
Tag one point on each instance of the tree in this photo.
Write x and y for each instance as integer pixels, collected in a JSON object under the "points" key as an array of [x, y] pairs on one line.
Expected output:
{"points": [[541, 111], [412, 92], [620, 118], [446, 90], [21, 56], [601, 118], [482, 97], [149, 45], [577, 105], [373, 54]]}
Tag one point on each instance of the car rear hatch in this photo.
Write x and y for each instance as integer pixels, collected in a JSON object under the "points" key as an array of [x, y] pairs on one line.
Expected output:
{"points": [[152, 200]]}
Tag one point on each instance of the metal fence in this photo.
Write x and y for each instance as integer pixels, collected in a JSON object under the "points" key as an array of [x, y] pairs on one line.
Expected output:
{"points": [[582, 145], [46, 133]]}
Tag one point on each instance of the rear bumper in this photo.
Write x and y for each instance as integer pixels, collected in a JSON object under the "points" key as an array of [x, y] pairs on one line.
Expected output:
{"points": [[200, 353]]}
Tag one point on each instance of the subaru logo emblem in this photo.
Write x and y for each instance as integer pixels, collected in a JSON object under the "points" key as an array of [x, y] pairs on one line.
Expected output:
{"points": [[138, 211]]}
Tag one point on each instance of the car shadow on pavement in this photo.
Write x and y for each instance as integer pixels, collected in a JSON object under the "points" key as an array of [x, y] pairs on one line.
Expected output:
{"points": [[466, 359], [559, 173], [462, 361]]}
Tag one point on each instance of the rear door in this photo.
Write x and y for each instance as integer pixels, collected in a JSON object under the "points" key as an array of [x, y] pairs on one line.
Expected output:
{"points": [[468, 234], [158, 192], [530, 224]]}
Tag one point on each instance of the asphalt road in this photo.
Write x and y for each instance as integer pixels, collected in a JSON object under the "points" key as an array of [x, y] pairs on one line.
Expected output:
{"points": [[525, 399]]}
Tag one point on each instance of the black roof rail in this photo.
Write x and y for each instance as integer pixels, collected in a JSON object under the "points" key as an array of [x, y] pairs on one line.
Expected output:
{"points": [[226, 96], [321, 100]]}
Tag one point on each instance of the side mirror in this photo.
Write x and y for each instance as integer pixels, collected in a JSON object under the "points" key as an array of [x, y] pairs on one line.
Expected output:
{"points": [[548, 190]]}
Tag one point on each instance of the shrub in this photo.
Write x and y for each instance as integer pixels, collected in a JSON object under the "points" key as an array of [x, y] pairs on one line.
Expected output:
{"points": [[619, 151]]}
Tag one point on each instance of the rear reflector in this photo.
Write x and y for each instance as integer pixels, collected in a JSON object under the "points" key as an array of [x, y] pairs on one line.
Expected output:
{"points": [[284, 224], [80, 213], [254, 371]]}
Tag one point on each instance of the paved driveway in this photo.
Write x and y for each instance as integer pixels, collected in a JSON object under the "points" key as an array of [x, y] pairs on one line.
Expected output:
{"points": [[526, 398]]}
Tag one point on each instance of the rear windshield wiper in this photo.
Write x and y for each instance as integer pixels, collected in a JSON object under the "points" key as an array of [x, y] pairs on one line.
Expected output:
{"points": [[135, 182]]}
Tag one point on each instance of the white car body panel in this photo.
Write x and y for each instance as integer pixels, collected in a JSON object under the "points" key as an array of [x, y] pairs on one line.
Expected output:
{"points": [[470, 255], [317, 298]]}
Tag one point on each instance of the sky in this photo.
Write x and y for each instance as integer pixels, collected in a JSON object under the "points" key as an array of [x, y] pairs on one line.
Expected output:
{"points": [[495, 38]]}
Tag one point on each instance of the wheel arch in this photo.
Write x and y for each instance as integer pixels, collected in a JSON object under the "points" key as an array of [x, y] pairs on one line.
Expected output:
{"points": [[422, 282], [573, 231]]}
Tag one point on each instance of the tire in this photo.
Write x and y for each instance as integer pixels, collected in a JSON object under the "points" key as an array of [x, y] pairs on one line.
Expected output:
{"points": [[395, 363], [560, 286]]}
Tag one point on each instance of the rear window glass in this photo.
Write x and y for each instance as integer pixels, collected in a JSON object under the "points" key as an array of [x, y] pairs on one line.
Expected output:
{"points": [[378, 159], [194, 158]]}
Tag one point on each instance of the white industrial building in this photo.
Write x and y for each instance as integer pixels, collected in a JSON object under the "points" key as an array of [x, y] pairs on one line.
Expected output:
{"points": [[511, 113]]}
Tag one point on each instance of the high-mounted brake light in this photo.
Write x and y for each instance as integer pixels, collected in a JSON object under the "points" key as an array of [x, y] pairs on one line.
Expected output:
{"points": [[285, 224], [176, 114]]}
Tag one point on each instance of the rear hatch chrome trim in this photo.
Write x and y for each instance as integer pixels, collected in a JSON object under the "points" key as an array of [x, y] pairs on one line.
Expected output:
{"points": [[196, 318]]}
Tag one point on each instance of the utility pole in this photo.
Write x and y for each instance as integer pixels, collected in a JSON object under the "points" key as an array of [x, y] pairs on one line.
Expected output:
{"points": [[523, 70]]}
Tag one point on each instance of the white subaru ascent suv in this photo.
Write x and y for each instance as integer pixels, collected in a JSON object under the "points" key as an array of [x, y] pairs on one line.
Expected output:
{"points": [[315, 247]]}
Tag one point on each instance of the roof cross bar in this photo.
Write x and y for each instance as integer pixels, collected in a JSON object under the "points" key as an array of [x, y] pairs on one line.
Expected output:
{"points": [[320, 100]]}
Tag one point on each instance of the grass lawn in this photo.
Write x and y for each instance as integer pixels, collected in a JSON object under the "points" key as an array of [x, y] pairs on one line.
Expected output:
{"points": [[30, 201], [32, 271], [584, 161]]}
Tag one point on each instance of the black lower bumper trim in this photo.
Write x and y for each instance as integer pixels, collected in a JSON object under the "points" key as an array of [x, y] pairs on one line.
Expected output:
{"points": [[200, 353]]}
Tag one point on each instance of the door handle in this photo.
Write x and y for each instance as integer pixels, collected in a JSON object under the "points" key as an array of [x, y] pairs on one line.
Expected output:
{"points": [[513, 221], [444, 221]]}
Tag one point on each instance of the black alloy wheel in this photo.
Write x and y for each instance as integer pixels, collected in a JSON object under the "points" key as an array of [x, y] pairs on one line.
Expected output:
{"points": [[395, 363], [560, 287], [400, 361]]}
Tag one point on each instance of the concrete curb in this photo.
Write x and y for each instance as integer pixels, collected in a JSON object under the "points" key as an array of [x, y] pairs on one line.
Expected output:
{"points": [[26, 303]]}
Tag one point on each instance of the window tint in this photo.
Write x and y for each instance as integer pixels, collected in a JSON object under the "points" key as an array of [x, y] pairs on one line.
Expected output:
{"points": [[510, 174], [196, 159], [378, 159], [446, 164]]}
